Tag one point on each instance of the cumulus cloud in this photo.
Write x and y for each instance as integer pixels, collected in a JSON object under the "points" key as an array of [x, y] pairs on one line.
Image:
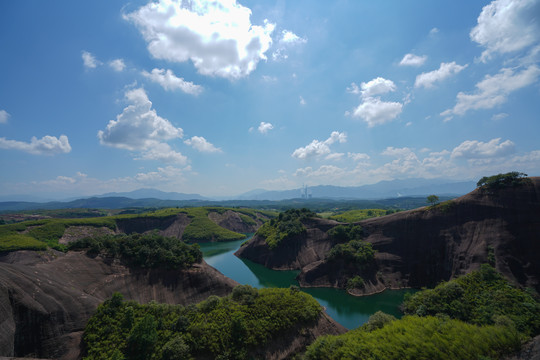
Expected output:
{"points": [[506, 26], [290, 38], [334, 156], [324, 171], [201, 144], [413, 60], [47, 145], [138, 127], [319, 148], [217, 37], [372, 109], [169, 81], [117, 65], [89, 60], [164, 153], [445, 71], [265, 127], [494, 90], [4, 116], [376, 112], [473, 149]]}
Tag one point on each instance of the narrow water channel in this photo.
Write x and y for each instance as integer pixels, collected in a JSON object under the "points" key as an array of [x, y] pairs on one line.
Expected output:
{"points": [[350, 311]]}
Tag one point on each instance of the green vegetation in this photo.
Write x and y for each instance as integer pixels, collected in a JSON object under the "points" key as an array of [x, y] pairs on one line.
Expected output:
{"points": [[415, 337], [233, 327], [432, 200], [499, 181], [357, 251], [287, 225], [359, 214], [202, 229], [355, 283], [482, 297], [353, 248], [40, 234], [142, 250], [477, 316], [43, 233]]}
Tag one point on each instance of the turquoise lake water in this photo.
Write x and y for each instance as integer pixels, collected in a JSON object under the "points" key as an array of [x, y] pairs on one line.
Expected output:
{"points": [[350, 311]]}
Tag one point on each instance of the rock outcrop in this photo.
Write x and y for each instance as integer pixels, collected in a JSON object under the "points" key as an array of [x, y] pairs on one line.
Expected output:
{"points": [[47, 298], [421, 247]]}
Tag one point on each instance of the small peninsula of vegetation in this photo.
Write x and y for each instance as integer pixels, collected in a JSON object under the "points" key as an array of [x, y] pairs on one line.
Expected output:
{"points": [[477, 316], [287, 225], [142, 250], [232, 327]]}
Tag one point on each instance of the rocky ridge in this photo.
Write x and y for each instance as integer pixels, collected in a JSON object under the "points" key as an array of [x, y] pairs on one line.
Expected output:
{"points": [[421, 247]]}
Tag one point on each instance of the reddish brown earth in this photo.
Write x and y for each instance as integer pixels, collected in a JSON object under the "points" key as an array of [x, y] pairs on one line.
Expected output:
{"points": [[47, 298], [424, 246]]}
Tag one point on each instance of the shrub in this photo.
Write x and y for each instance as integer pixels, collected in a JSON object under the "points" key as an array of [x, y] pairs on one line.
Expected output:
{"points": [[357, 251], [479, 297], [355, 283]]}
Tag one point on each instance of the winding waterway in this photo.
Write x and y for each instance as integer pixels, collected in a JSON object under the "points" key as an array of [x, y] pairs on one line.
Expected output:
{"points": [[350, 311]]}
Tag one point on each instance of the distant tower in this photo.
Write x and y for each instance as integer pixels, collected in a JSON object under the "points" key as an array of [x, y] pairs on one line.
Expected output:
{"points": [[304, 192]]}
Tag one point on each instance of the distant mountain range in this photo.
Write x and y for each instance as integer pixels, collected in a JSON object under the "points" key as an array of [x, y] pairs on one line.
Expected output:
{"points": [[380, 190], [395, 190]]}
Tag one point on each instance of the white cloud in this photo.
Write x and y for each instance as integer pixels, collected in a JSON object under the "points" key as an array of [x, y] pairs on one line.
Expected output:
{"points": [[445, 71], [290, 38], [372, 110], [434, 31], [169, 81], [302, 101], [358, 156], [499, 116], [217, 37], [265, 127], [324, 171], [89, 60], [4, 116], [494, 90], [473, 149], [117, 65], [334, 156], [319, 148], [506, 26], [47, 145], [201, 144], [164, 153], [376, 112], [269, 79], [138, 127], [377, 86], [413, 60]]}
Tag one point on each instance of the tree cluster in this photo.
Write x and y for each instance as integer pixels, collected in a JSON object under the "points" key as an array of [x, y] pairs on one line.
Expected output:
{"points": [[142, 250], [233, 327]]}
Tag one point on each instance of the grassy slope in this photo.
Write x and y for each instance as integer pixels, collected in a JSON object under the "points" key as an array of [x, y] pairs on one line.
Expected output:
{"points": [[40, 234]]}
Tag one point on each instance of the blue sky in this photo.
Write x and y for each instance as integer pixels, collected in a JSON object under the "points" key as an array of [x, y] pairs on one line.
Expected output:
{"points": [[219, 98]]}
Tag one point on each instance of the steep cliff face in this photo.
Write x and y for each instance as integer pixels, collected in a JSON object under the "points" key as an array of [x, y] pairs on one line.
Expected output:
{"points": [[47, 299], [294, 253], [424, 246], [234, 221]]}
